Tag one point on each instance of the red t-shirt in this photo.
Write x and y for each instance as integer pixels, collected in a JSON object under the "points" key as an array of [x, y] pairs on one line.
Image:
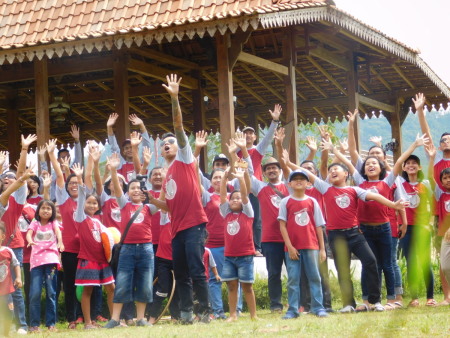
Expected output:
{"points": [[341, 204], [110, 211], [34, 200], [443, 204], [141, 229], [67, 207], [182, 192], [417, 194], [127, 171], [302, 217], [7, 261], [165, 238], [239, 231], [439, 165], [256, 158], [91, 247], [10, 217], [216, 223], [156, 228], [269, 207], [314, 193]]}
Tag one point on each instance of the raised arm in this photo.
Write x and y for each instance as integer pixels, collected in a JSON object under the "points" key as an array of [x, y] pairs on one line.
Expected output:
{"points": [[200, 142], [351, 135], [173, 88], [89, 168], [75, 132], [275, 114], [430, 150], [26, 141], [279, 137], [47, 181], [311, 144], [223, 186], [114, 162], [4, 197], [111, 137], [146, 159], [420, 141], [239, 174], [95, 154], [136, 139], [330, 147], [324, 135], [51, 146], [419, 103]]}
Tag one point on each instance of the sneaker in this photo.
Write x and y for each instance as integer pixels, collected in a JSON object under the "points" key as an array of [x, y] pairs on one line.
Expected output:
{"points": [[220, 316], [322, 313], [111, 324], [329, 310], [276, 310], [143, 322], [31, 329], [79, 320], [378, 307], [23, 331], [101, 319], [290, 315], [347, 309], [204, 318], [52, 329]]}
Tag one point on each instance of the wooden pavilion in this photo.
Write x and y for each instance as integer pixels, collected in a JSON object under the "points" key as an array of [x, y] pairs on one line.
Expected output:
{"points": [[237, 58]]}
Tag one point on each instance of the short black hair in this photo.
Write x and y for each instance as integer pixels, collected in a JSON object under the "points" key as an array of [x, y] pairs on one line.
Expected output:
{"points": [[154, 168], [166, 135], [445, 134], [375, 146], [99, 211], [39, 206], [339, 165], [382, 167], [446, 171], [214, 171], [62, 150], [67, 182], [233, 192], [312, 162]]}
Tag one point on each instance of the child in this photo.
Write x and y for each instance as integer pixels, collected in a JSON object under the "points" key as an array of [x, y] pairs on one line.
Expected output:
{"points": [[44, 237], [8, 261], [93, 268], [239, 247], [300, 220]]}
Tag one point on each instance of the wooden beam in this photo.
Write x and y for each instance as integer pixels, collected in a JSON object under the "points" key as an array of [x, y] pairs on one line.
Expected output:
{"points": [[258, 78], [263, 63], [403, 76], [326, 74], [237, 42], [164, 58], [157, 72], [396, 129], [13, 131], [333, 58], [249, 90], [225, 80], [312, 84], [198, 112], [353, 97], [375, 104], [41, 97], [381, 79], [121, 98]]}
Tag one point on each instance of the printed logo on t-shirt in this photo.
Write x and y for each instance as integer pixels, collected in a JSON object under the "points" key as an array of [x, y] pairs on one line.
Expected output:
{"points": [[96, 235], [343, 201], [44, 236], [130, 175], [414, 200], [233, 227], [447, 206], [373, 189], [275, 199], [115, 214], [171, 189], [23, 224], [302, 217], [3, 271]]}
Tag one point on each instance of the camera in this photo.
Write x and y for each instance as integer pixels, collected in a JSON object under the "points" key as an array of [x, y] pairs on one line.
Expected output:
{"points": [[142, 179]]}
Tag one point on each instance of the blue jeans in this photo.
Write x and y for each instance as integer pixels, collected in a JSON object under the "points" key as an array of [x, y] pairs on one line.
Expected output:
{"points": [[44, 274], [17, 296], [379, 239], [215, 287], [257, 226], [134, 280], [397, 273], [274, 253], [187, 253], [310, 260]]}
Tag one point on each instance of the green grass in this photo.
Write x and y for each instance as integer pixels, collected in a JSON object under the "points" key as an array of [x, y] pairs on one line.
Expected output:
{"points": [[421, 321]]}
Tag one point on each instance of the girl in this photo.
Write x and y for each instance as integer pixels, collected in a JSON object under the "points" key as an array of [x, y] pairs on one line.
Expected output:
{"points": [[239, 247], [34, 184], [44, 237], [93, 268]]}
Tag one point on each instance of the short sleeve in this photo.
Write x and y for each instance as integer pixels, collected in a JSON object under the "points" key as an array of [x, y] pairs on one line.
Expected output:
{"points": [[33, 225], [153, 208], [80, 215], [318, 216], [122, 201], [257, 185], [248, 209], [206, 197], [358, 178], [282, 211], [438, 192], [390, 179], [360, 193], [14, 260], [359, 163], [185, 154], [321, 185], [225, 209]]}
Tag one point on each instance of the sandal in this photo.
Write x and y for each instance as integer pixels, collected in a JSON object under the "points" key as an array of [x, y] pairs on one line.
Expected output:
{"points": [[444, 303], [89, 327], [398, 305], [389, 306], [414, 303], [431, 302], [72, 326], [362, 308]]}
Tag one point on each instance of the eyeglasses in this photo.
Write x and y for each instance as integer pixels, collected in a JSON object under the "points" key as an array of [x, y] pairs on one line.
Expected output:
{"points": [[170, 141], [72, 183], [10, 176], [444, 140]]}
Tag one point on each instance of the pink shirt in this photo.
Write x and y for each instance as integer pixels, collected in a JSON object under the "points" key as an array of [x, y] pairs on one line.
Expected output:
{"points": [[45, 251]]}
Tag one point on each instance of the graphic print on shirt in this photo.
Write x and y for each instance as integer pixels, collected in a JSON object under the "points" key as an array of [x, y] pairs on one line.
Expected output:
{"points": [[414, 200], [22, 224], [44, 236], [171, 189], [96, 230], [447, 206], [129, 175], [115, 214], [343, 201], [275, 199], [3, 270], [233, 227], [302, 217], [373, 189]]}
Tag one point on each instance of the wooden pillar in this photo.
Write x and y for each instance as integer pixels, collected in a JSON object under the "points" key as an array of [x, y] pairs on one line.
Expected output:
{"points": [[225, 79], [13, 133], [353, 98], [121, 98], [41, 101], [198, 108], [290, 60], [396, 129]]}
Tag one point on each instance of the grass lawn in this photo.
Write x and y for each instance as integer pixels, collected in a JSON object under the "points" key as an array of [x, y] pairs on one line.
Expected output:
{"points": [[415, 322]]}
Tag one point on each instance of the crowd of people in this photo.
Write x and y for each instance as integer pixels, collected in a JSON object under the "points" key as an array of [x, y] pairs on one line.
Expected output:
{"points": [[193, 231]]}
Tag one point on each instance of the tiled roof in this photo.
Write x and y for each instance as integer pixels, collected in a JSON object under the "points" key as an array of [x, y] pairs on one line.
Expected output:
{"points": [[32, 22]]}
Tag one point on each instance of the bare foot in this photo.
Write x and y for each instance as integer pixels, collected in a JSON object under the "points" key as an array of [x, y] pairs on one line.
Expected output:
{"points": [[152, 320], [232, 319]]}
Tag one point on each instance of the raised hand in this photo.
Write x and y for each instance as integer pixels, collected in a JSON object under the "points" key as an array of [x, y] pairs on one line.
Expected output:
{"points": [[421, 140], [343, 145], [26, 141], [147, 155], [94, 151], [327, 145], [376, 140], [276, 112], [239, 172], [135, 120], [430, 149], [285, 156], [323, 130], [51, 146], [239, 139], [201, 139], [65, 162], [352, 116], [419, 101], [279, 135], [112, 119], [75, 132], [77, 170], [173, 84], [27, 174], [232, 147], [114, 161], [311, 143], [135, 138], [47, 180], [3, 157]]}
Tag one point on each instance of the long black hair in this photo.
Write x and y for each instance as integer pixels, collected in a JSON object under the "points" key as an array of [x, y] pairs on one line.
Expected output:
{"points": [[39, 206], [382, 167]]}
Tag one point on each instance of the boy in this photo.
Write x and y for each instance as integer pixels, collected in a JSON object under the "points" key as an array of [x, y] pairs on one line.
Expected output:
{"points": [[300, 225], [7, 261]]}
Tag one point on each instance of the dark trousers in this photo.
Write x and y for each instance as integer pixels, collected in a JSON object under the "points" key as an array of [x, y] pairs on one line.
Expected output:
{"points": [[342, 244], [69, 262], [257, 227], [26, 288], [163, 288], [416, 248], [187, 252], [274, 253]]}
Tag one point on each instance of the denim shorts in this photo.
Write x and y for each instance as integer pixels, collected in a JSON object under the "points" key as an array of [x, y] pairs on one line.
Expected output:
{"points": [[134, 279], [240, 268]]}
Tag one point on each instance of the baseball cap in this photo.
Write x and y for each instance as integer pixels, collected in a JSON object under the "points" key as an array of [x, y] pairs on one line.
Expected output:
{"points": [[248, 128], [221, 157], [298, 172], [414, 158]]}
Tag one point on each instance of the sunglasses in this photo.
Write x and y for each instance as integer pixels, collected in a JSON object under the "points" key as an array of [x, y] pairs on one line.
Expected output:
{"points": [[10, 176], [170, 141], [444, 140]]}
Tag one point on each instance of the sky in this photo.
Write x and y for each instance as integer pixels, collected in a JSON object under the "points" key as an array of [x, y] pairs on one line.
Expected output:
{"points": [[422, 25]]}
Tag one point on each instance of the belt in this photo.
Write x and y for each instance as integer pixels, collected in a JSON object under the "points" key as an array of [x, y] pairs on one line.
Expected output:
{"points": [[352, 228]]}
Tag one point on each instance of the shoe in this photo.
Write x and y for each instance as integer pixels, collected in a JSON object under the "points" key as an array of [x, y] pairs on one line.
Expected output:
{"points": [[97, 325], [52, 329], [220, 316], [101, 319], [362, 308], [378, 307], [290, 315], [347, 309], [72, 326], [79, 320], [276, 310], [322, 314], [90, 327], [23, 331], [111, 324], [204, 318], [143, 322], [32, 329], [130, 322], [329, 310]]}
